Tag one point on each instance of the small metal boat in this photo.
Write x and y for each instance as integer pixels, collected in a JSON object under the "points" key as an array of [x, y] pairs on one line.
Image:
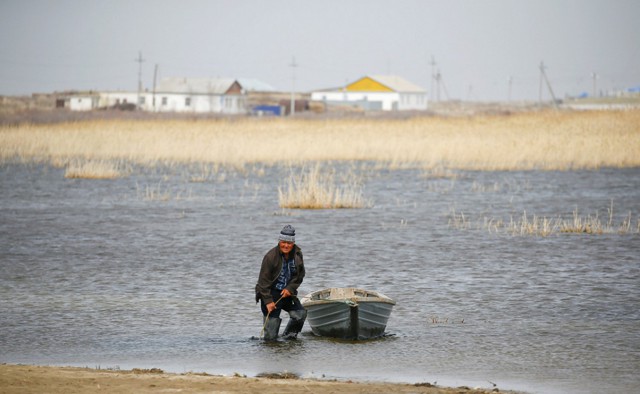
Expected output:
{"points": [[347, 312]]}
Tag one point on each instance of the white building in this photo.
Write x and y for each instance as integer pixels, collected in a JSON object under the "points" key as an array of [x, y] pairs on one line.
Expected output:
{"points": [[85, 102], [197, 95], [376, 92], [218, 95]]}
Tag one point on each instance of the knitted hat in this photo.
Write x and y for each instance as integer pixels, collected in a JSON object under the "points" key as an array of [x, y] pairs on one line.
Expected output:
{"points": [[288, 234]]}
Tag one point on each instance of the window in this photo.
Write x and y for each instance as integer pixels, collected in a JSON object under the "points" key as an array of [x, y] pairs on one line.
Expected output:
{"points": [[187, 102], [164, 101], [141, 100]]}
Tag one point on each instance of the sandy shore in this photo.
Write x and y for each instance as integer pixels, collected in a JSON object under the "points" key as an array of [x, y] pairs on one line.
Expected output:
{"points": [[58, 380]]}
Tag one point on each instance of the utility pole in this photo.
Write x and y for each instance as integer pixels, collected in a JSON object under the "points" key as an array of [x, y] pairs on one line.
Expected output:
{"points": [[440, 82], [293, 66], [139, 60], [543, 75], [510, 83], [595, 77]]}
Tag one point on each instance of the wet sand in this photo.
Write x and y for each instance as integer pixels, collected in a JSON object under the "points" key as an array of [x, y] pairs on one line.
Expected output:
{"points": [[58, 380]]}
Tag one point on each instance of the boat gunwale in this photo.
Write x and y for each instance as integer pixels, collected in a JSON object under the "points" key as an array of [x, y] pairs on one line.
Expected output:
{"points": [[347, 301], [376, 297]]}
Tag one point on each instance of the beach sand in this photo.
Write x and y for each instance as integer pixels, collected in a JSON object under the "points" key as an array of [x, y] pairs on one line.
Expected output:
{"points": [[58, 380]]}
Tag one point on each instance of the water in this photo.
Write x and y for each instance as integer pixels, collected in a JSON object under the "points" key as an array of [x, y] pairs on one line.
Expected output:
{"points": [[92, 273]]}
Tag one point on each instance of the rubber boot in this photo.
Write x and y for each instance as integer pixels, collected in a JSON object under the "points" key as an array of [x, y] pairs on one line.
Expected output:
{"points": [[296, 321], [271, 328]]}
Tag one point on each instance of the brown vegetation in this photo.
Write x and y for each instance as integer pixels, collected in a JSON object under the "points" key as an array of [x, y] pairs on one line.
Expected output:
{"points": [[544, 226], [541, 140], [317, 189], [100, 169]]}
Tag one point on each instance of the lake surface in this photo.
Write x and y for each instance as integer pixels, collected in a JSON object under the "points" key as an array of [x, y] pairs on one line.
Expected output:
{"points": [[154, 270]]}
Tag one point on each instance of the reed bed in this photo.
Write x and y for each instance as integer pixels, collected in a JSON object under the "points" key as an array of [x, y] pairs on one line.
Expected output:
{"points": [[160, 192], [545, 226], [541, 140], [317, 189], [100, 169]]}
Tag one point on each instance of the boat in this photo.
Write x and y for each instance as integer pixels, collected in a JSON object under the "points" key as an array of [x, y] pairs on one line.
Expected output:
{"points": [[347, 312]]}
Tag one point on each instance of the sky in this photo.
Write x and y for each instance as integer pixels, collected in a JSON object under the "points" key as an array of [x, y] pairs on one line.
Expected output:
{"points": [[483, 50]]}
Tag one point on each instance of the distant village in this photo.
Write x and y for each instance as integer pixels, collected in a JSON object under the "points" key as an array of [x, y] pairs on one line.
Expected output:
{"points": [[243, 96], [250, 96]]}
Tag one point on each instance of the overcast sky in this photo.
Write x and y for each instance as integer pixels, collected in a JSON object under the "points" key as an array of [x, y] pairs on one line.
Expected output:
{"points": [[478, 45]]}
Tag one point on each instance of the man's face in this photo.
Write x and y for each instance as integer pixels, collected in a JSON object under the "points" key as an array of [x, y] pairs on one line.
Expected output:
{"points": [[285, 247]]}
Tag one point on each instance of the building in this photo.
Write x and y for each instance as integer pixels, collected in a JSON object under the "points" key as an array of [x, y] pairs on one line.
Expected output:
{"points": [[376, 93], [197, 95], [83, 102]]}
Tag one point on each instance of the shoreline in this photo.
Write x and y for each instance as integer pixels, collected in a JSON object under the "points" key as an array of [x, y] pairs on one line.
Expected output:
{"points": [[19, 378]]}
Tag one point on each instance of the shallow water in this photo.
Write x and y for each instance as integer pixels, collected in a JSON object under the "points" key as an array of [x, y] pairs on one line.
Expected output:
{"points": [[94, 273]]}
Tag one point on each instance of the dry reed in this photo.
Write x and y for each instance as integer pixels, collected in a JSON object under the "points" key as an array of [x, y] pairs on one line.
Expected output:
{"points": [[101, 169], [160, 192], [316, 189], [541, 140], [545, 226]]}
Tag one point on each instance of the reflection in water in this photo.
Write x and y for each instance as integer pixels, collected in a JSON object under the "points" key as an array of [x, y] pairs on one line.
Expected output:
{"points": [[93, 274]]}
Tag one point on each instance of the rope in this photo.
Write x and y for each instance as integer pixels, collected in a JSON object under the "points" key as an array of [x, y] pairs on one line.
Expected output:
{"points": [[266, 320]]}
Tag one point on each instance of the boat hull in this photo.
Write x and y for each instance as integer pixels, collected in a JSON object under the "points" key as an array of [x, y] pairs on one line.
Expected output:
{"points": [[347, 314]]}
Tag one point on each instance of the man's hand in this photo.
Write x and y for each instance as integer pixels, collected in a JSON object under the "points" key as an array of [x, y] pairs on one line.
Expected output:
{"points": [[285, 293], [271, 307]]}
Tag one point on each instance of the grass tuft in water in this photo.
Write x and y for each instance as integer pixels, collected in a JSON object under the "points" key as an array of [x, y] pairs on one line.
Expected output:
{"points": [[94, 169], [317, 189], [545, 226]]}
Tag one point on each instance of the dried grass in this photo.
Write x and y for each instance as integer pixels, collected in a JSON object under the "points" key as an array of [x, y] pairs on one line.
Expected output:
{"points": [[317, 189], [541, 140], [545, 226], [100, 169]]}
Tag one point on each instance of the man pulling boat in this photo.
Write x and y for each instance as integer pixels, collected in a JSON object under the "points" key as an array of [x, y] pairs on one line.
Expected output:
{"points": [[281, 273]]}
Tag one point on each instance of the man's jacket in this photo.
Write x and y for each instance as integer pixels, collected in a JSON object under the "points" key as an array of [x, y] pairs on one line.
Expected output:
{"points": [[270, 270]]}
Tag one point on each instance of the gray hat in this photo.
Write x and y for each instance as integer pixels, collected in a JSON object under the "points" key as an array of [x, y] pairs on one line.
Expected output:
{"points": [[288, 234]]}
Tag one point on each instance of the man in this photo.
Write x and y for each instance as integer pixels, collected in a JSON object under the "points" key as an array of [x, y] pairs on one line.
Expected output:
{"points": [[281, 274]]}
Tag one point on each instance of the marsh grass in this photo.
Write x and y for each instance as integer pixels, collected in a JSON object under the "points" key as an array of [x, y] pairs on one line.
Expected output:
{"points": [[205, 172], [95, 169], [440, 172], [543, 226], [316, 188], [541, 140], [160, 192]]}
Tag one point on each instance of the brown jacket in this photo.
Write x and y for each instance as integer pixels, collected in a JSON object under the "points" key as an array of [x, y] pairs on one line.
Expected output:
{"points": [[270, 270]]}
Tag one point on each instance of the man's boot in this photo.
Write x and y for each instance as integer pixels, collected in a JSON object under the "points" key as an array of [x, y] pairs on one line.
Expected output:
{"points": [[296, 321], [271, 328]]}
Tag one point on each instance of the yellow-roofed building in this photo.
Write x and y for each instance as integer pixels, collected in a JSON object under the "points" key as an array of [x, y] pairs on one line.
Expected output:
{"points": [[376, 93]]}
